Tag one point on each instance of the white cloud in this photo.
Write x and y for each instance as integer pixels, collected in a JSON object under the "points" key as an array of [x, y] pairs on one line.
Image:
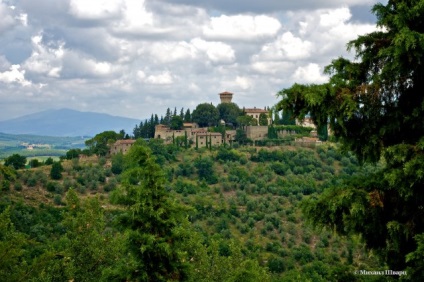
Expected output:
{"points": [[286, 47], [217, 52], [169, 51], [310, 73], [14, 75], [45, 59], [8, 17], [335, 17], [163, 78], [135, 18], [243, 27], [243, 82], [95, 10]]}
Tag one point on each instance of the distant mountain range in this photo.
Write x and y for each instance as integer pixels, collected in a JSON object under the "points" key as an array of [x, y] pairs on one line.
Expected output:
{"points": [[67, 122]]}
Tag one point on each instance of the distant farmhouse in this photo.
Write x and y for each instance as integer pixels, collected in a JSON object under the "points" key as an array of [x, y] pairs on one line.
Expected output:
{"points": [[121, 146]]}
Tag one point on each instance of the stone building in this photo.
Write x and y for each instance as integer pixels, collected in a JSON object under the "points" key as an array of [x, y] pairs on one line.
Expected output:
{"points": [[213, 138], [121, 146], [256, 112]]}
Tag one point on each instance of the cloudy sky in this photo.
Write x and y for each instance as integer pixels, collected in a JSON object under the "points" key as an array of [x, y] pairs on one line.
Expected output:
{"points": [[136, 57]]}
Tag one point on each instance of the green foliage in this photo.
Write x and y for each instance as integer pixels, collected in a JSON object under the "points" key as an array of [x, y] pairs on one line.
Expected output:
{"points": [[205, 115], [227, 154], [73, 153], [205, 169], [229, 112], [49, 161], [263, 119], [246, 226], [375, 109], [13, 265], [245, 120], [16, 161], [117, 163], [34, 163], [99, 144], [56, 171], [157, 224], [176, 123], [7, 173]]}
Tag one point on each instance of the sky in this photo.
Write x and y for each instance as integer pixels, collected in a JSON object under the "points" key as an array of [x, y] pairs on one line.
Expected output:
{"points": [[133, 58]]}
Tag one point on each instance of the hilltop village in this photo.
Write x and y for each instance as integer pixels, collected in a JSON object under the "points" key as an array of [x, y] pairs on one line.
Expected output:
{"points": [[191, 133]]}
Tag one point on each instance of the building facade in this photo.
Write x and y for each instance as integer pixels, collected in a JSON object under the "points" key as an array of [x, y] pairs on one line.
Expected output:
{"points": [[121, 146]]}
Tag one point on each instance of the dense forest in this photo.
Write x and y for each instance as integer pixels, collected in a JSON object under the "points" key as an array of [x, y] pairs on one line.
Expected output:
{"points": [[168, 213]]}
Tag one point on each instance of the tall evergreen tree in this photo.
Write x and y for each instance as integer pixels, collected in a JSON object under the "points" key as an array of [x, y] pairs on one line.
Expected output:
{"points": [[182, 113], [187, 116], [167, 118], [375, 106], [157, 224]]}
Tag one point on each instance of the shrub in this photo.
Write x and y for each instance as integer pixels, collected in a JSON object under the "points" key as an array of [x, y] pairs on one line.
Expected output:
{"points": [[5, 185], [276, 264], [57, 199], [18, 186], [56, 171]]}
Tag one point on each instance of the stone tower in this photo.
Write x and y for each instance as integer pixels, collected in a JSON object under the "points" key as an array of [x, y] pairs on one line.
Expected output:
{"points": [[226, 97]]}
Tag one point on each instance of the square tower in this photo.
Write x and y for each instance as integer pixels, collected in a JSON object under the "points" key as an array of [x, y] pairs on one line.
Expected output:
{"points": [[226, 97]]}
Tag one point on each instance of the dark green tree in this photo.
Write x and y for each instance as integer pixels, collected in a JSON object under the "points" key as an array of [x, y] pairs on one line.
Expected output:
{"points": [[288, 118], [205, 115], [117, 163], [16, 161], [176, 123], [205, 169], [168, 116], [375, 107], [157, 225], [12, 252], [34, 163], [49, 161], [187, 116], [99, 143], [182, 113], [229, 113], [245, 120], [56, 171], [73, 153], [263, 119]]}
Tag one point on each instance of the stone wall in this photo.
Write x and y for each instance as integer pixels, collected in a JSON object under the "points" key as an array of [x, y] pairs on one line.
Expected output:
{"points": [[256, 132]]}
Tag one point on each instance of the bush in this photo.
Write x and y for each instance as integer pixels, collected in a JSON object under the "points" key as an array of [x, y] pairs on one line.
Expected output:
{"points": [[276, 264], [5, 185], [18, 186], [56, 171], [57, 199]]}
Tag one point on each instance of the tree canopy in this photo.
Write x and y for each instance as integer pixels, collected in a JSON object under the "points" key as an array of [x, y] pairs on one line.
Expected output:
{"points": [[205, 115], [16, 161], [229, 112], [375, 107], [99, 143]]}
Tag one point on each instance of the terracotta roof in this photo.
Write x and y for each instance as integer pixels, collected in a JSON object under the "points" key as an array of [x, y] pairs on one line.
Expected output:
{"points": [[127, 141], [226, 92], [255, 110]]}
